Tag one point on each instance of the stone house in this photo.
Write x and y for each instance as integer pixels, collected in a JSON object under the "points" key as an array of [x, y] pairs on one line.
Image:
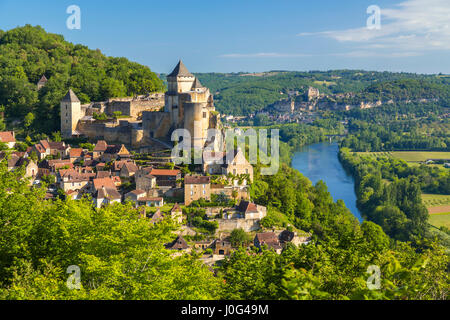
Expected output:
{"points": [[157, 217], [178, 244], [105, 196], [269, 239], [177, 213], [31, 168], [128, 170], [135, 195], [166, 177], [249, 210], [76, 155], [8, 138], [144, 180], [71, 179], [222, 247], [99, 149], [114, 152], [151, 201], [195, 188], [232, 162]]}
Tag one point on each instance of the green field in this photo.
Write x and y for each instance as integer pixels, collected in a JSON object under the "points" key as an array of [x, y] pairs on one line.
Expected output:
{"points": [[409, 156], [440, 219], [434, 200]]}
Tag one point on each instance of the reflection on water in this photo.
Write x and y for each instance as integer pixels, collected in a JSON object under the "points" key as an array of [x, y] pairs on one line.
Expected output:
{"points": [[320, 162]]}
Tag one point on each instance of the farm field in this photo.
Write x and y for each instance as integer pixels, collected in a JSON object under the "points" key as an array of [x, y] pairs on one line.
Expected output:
{"points": [[440, 219], [409, 156], [435, 200]]}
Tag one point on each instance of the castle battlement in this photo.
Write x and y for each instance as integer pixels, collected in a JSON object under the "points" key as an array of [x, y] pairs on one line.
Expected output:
{"points": [[187, 104]]}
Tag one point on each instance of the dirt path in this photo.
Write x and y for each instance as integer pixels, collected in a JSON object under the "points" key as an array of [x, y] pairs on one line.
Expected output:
{"points": [[440, 209]]}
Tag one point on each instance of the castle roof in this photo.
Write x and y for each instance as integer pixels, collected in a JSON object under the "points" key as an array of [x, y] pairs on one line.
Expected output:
{"points": [[70, 97], [42, 80], [180, 71], [197, 84]]}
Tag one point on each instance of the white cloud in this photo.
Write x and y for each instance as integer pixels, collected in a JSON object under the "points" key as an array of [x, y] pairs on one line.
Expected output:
{"points": [[414, 26]]}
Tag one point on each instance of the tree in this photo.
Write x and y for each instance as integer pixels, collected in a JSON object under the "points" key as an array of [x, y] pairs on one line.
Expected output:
{"points": [[28, 120], [239, 237]]}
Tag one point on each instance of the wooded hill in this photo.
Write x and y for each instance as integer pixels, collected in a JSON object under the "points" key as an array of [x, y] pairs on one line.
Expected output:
{"points": [[243, 94], [27, 53]]}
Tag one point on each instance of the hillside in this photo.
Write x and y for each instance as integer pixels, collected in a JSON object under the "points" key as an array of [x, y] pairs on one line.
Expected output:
{"points": [[243, 93], [27, 53]]}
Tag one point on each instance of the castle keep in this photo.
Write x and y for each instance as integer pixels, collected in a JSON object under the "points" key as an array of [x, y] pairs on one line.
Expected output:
{"points": [[145, 120]]}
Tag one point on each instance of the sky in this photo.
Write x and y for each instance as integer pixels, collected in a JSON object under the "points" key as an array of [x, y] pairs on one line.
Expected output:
{"points": [[253, 36]]}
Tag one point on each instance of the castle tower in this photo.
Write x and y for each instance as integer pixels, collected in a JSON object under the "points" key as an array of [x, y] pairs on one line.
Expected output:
{"points": [[180, 80], [42, 82], [70, 114]]}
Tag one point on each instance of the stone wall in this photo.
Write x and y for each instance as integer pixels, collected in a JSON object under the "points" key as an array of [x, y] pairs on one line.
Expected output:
{"points": [[228, 225], [134, 108]]}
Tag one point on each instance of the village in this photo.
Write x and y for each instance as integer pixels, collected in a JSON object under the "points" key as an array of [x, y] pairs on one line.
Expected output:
{"points": [[208, 203]]}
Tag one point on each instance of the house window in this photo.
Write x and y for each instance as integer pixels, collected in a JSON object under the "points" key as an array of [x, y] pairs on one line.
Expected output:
{"points": [[234, 171], [204, 115], [221, 252], [192, 193], [204, 192], [246, 171]]}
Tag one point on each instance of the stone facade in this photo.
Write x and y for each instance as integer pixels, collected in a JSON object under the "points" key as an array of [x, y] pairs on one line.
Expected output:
{"points": [[187, 104]]}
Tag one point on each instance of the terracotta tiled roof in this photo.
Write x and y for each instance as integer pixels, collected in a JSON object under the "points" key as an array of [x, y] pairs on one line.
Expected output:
{"points": [[247, 207], [43, 79], [164, 172], [268, 238], [151, 199], [76, 152], [176, 208], [7, 136], [104, 182], [178, 244], [57, 145], [103, 174], [197, 179], [131, 167], [100, 146], [157, 216], [108, 193], [137, 192]]}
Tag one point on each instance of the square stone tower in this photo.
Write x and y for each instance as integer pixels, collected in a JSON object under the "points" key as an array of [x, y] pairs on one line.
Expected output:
{"points": [[70, 114]]}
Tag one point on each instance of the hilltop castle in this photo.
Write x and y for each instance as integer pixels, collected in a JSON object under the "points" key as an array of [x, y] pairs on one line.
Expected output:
{"points": [[145, 120]]}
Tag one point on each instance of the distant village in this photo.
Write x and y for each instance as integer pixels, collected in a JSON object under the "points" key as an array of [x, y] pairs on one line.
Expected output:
{"points": [[107, 173]]}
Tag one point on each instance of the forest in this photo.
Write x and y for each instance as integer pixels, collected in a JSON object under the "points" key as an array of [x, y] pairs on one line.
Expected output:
{"points": [[244, 94], [122, 256], [27, 53]]}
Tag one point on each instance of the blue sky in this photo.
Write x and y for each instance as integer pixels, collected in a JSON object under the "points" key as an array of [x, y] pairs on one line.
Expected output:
{"points": [[250, 35]]}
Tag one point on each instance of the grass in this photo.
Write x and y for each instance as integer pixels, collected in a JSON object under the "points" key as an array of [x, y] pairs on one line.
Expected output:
{"points": [[434, 200], [416, 156], [440, 219], [409, 156]]}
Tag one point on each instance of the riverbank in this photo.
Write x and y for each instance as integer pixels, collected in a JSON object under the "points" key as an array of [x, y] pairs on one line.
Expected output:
{"points": [[320, 161]]}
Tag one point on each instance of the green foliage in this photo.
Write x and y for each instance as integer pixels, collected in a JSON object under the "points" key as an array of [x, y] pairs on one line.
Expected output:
{"points": [[27, 53], [239, 237], [120, 255]]}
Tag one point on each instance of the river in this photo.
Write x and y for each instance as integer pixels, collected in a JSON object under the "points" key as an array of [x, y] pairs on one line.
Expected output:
{"points": [[320, 162]]}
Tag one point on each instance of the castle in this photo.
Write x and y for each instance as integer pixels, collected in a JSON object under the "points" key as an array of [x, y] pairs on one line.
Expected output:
{"points": [[145, 120]]}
